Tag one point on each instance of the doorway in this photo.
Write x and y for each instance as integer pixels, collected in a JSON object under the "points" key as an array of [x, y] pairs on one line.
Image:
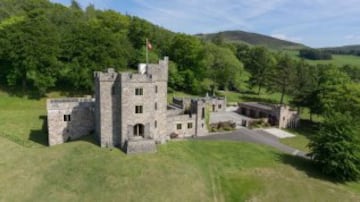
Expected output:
{"points": [[139, 130]]}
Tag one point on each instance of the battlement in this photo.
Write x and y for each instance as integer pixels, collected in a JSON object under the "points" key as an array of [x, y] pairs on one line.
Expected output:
{"points": [[108, 75], [130, 77], [69, 103]]}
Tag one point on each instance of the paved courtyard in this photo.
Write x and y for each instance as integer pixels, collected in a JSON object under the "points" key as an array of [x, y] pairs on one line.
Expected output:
{"points": [[278, 132], [228, 115], [259, 137]]}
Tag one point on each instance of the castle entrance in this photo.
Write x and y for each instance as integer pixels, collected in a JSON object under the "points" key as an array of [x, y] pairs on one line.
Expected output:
{"points": [[139, 130]]}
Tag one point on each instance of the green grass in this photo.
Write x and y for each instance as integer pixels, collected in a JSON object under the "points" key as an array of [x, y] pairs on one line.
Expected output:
{"points": [[338, 60], [179, 171], [178, 94], [303, 135], [299, 142], [234, 97]]}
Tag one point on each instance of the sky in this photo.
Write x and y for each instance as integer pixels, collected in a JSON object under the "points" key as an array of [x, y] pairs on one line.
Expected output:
{"points": [[316, 23]]}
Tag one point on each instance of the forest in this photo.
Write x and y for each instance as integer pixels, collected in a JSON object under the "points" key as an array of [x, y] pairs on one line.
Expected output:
{"points": [[46, 46], [315, 54]]}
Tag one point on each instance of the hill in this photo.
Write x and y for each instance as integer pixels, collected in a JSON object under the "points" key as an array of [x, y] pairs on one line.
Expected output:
{"points": [[254, 39]]}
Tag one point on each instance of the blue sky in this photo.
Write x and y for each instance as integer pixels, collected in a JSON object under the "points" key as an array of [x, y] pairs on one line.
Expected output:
{"points": [[316, 23]]}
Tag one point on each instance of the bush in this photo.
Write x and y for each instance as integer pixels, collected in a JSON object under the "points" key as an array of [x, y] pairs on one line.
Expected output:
{"points": [[223, 126], [259, 124], [174, 135]]}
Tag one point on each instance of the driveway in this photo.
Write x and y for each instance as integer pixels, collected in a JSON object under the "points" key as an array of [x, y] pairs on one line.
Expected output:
{"points": [[259, 137]]}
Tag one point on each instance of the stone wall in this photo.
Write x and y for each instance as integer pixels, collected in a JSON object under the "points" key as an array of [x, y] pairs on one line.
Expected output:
{"points": [[199, 107], [153, 102], [107, 109], [69, 119], [187, 123], [278, 115], [288, 118], [216, 104]]}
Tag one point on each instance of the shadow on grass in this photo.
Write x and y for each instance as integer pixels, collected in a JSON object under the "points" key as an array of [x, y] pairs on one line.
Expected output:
{"points": [[307, 128], [40, 136], [89, 139], [17, 92], [307, 166], [35, 95]]}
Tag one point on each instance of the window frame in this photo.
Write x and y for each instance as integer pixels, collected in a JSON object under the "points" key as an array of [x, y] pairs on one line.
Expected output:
{"points": [[178, 126], [67, 117], [139, 91], [138, 109], [189, 125]]}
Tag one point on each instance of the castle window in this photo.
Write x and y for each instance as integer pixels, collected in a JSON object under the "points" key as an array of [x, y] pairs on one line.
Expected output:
{"points": [[67, 117], [139, 130], [156, 89], [203, 113], [219, 106], [178, 126], [155, 124], [138, 91], [189, 125], [138, 109], [156, 106]]}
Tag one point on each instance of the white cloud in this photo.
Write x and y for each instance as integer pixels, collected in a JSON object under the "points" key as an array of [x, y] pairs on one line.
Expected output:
{"points": [[318, 22], [205, 15]]}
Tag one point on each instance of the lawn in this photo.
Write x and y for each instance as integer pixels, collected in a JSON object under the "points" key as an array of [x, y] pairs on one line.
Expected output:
{"points": [[269, 97], [303, 134], [179, 171], [179, 94], [338, 60]]}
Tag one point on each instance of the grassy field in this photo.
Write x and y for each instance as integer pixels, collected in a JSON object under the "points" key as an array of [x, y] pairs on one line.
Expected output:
{"points": [[179, 171], [338, 60], [303, 135], [179, 95], [234, 97]]}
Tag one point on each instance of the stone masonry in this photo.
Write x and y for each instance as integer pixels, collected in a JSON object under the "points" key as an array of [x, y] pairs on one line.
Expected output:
{"points": [[69, 119], [129, 111]]}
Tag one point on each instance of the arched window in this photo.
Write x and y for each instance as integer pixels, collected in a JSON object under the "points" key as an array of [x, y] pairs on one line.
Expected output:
{"points": [[139, 130]]}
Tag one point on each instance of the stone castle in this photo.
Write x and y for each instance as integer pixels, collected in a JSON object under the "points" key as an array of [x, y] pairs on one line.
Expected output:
{"points": [[130, 111]]}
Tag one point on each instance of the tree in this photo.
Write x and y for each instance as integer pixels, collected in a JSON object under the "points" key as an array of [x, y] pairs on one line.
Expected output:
{"points": [[225, 69], [336, 149], [30, 51], [282, 75], [337, 146], [259, 63], [315, 54]]}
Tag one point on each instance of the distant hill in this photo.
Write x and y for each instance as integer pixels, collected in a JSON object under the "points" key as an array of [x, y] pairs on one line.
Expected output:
{"points": [[254, 39], [345, 50]]}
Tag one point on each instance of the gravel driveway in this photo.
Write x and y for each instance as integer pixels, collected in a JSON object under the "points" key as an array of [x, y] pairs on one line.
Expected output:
{"points": [[259, 137]]}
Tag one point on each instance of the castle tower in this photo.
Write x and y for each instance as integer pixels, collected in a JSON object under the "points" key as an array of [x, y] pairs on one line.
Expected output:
{"points": [[107, 108], [131, 106], [199, 107], [143, 103]]}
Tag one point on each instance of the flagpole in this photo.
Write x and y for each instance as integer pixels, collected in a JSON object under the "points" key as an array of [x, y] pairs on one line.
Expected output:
{"points": [[147, 52]]}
